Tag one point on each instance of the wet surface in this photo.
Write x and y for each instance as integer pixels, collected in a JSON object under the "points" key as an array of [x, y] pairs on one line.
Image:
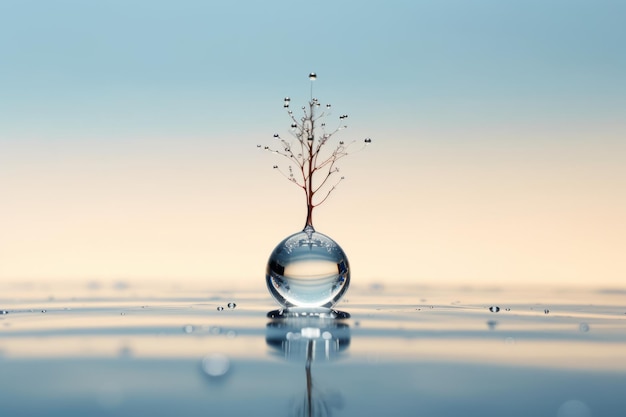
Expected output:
{"points": [[130, 350]]}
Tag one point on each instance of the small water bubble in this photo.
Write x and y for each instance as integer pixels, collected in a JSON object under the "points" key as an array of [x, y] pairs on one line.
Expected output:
{"points": [[232, 305], [573, 408], [546, 311], [312, 76], [188, 329], [3, 312], [583, 327], [215, 365], [44, 311], [215, 330], [220, 308], [122, 314], [494, 309], [507, 309]]}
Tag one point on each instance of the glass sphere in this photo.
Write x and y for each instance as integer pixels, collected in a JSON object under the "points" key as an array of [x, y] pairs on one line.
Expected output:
{"points": [[308, 270]]}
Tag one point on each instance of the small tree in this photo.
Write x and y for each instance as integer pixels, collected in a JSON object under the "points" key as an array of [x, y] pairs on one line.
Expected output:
{"points": [[314, 164]]}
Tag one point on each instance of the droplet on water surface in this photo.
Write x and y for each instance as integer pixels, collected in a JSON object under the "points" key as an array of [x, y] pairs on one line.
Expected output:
{"points": [[220, 308], [215, 365], [188, 329], [546, 311], [3, 312], [232, 305], [308, 269], [494, 309], [573, 408]]}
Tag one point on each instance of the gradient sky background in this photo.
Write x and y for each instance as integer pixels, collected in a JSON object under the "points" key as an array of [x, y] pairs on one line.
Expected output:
{"points": [[128, 133]]}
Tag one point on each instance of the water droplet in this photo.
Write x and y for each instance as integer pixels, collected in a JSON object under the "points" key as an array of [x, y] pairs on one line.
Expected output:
{"points": [[312, 76], [188, 329], [3, 312], [368, 140], [215, 365], [494, 309], [220, 308], [232, 305], [276, 135], [507, 309], [307, 269], [294, 125], [328, 106], [44, 311], [583, 327], [546, 311], [573, 408], [122, 314]]}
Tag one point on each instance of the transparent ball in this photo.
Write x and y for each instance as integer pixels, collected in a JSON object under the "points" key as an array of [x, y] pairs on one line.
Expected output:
{"points": [[309, 270]]}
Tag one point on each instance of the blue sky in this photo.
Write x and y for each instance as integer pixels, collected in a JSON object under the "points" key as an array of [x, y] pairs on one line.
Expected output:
{"points": [[485, 116]]}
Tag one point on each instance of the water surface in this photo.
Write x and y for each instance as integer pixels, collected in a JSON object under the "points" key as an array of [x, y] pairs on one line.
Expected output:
{"points": [[126, 350]]}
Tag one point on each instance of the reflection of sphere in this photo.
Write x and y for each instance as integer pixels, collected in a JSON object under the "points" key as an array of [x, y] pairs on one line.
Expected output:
{"points": [[308, 269], [296, 339]]}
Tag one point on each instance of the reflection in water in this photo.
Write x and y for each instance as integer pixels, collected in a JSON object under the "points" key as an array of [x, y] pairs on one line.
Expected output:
{"points": [[310, 339]]}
